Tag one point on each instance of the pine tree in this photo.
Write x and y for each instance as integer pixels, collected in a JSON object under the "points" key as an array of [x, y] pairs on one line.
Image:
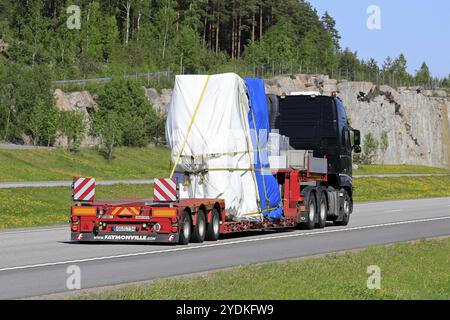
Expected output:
{"points": [[308, 52], [330, 25], [165, 26], [33, 35], [399, 70], [423, 76], [349, 64]]}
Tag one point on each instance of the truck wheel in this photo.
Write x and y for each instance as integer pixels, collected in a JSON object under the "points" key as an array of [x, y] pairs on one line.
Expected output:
{"points": [[212, 232], [310, 208], [346, 210], [198, 234], [185, 233], [322, 209]]}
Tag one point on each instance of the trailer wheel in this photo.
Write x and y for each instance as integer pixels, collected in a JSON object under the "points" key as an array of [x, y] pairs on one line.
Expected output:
{"points": [[185, 233], [322, 208], [198, 234], [310, 208], [346, 209], [212, 232]]}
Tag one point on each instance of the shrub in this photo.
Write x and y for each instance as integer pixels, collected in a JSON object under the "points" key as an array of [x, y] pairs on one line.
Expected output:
{"points": [[73, 126], [370, 147]]}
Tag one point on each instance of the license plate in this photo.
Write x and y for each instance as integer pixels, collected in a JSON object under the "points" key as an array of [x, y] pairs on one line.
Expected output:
{"points": [[124, 228]]}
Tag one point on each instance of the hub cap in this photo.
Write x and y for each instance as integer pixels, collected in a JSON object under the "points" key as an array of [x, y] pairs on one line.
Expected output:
{"points": [[323, 211], [187, 230], [201, 227], [346, 207], [312, 211], [215, 224]]}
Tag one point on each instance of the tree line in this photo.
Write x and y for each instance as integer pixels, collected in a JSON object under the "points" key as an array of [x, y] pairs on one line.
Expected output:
{"points": [[189, 36], [117, 36]]}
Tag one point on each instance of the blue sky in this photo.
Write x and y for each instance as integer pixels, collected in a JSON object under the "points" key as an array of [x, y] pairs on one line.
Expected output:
{"points": [[418, 29]]}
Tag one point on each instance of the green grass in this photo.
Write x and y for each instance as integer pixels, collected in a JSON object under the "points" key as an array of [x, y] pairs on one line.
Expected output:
{"points": [[418, 270], [129, 163], [376, 189], [46, 165], [399, 169], [31, 207]]}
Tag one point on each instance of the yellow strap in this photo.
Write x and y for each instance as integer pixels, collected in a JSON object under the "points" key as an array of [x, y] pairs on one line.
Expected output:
{"points": [[259, 212], [212, 155], [190, 126]]}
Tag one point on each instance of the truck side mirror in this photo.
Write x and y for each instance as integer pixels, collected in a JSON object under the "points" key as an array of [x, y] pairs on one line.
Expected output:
{"points": [[356, 137], [356, 141]]}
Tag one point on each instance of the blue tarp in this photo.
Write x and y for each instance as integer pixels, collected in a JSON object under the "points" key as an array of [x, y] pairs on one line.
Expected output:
{"points": [[258, 118]]}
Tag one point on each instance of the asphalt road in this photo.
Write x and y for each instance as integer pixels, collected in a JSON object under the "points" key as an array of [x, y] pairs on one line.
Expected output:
{"points": [[34, 261], [22, 147]]}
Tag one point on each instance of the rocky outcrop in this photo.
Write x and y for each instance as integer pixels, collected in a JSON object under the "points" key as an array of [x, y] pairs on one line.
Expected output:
{"points": [[77, 101], [416, 121], [159, 101], [3, 46]]}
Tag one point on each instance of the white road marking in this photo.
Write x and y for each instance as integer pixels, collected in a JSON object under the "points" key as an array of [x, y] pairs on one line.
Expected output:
{"points": [[221, 244], [397, 210]]}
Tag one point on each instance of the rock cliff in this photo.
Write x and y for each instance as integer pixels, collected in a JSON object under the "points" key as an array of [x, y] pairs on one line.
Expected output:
{"points": [[417, 122], [77, 101]]}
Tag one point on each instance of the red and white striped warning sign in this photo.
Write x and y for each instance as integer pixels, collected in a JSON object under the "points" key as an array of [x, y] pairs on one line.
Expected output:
{"points": [[165, 190], [83, 189]]}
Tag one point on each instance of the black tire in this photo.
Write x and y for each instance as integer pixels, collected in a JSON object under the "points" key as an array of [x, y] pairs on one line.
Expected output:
{"points": [[212, 231], [199, 232], [186, 228], [347, 208], [322, 208], [310, 208]]}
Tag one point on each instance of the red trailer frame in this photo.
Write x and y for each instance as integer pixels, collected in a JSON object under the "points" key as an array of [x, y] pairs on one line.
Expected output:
{"points": [[141, 220]]}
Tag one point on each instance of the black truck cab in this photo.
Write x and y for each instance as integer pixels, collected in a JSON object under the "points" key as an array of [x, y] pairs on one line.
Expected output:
{"points": [[318, 123]]}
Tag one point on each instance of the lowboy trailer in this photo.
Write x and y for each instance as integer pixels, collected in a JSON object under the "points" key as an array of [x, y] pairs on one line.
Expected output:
{"points": [[307, 203]]}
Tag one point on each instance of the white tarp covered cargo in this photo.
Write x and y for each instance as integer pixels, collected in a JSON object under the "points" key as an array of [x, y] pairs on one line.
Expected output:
{"points": [[212, 111]]}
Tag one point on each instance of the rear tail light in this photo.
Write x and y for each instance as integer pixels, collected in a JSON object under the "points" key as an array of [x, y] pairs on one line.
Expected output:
{"points": [[84, 211], [164, 212]]}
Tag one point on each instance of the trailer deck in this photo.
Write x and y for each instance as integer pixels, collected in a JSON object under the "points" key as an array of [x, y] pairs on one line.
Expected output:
{"points": [[146, 220]]}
